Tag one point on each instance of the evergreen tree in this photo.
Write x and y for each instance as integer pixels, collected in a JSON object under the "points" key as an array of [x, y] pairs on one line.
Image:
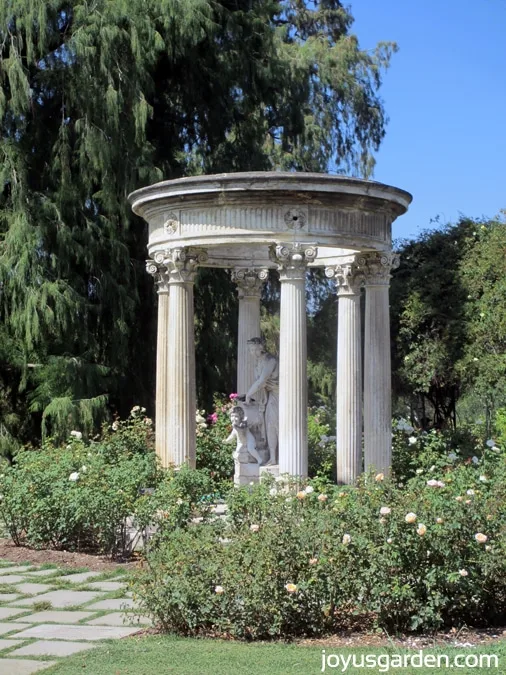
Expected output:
{"points": [[97, 99]]}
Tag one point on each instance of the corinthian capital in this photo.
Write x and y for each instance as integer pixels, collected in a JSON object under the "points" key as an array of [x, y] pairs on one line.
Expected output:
{"points": [[160, 274], [292, 259], [181, 263], [349, 277], [377, 267], [249, 280]]}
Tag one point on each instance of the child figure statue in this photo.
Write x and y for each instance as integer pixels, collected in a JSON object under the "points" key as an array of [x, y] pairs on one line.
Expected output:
{"points": [[246, 444]]}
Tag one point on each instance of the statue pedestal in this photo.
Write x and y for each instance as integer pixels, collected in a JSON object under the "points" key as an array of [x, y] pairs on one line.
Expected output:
{"points": [[272, 469], [246, 473]]}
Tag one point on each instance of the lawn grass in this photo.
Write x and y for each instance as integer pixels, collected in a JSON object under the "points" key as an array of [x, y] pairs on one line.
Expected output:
{"points": [[162, 654]]}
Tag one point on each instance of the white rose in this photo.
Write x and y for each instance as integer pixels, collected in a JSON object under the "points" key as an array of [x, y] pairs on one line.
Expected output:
{"points": [[309, 490], [74, 476], [385, 510], [410, 518], [76, 434], [346, 539]]}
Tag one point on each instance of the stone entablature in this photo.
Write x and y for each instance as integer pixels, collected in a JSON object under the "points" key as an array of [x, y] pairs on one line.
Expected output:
{"points": [[230, 211]]}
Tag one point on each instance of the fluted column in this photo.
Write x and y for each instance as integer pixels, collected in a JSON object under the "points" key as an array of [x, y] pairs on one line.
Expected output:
{"points": [[293, 450], [182, 400], [249, 286], [161, 275], [349, 280], [377, 363]]}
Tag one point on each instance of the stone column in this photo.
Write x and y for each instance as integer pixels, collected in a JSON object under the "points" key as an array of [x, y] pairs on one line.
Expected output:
{"points": [[349, 280], [377, 366], [161, 275], [249, 286], [181, 390], [293, 451]]}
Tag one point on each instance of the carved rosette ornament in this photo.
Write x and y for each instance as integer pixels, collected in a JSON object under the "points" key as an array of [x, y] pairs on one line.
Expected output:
{"points": [[349, 277], [171, 223], [249, 280], [377, 267], [160, 274], [295, 219], [182, 263], [292, 259]]}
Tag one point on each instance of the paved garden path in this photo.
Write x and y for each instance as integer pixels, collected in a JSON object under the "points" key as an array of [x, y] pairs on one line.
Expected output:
{"points": [[46, 614]]}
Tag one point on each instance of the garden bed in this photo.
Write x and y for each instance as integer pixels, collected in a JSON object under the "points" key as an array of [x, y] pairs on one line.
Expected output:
{"points": [[20, 554]]}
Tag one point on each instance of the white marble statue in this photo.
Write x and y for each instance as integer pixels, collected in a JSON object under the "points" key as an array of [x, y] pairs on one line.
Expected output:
{"points": [[265, 393], [246, 444]]}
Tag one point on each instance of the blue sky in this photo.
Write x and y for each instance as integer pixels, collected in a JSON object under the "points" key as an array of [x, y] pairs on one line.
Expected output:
{"points": [[445, 95]]}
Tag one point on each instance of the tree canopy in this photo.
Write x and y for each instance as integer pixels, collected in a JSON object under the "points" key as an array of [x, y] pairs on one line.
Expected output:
{"points": [[99, 98]]}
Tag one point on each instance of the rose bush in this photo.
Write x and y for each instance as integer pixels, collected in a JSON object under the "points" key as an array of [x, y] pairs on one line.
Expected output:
{"points": [[77, 497], [289, 561]]}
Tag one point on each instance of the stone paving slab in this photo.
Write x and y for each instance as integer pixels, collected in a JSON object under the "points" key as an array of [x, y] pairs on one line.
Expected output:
{"points": [[8, 628], [63, 598], [119, 619], [8, 597], [113, 603], [18, 569], [55, 616], [40, 573], [52, 648], [22, 666], [81, 577], [32, 589], [66, 632], [7, 612], [11, 579], [107, 585], [6, 643]]}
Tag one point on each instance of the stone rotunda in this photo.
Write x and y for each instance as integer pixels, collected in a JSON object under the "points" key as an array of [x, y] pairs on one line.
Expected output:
{"points": [[250, 223]]}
